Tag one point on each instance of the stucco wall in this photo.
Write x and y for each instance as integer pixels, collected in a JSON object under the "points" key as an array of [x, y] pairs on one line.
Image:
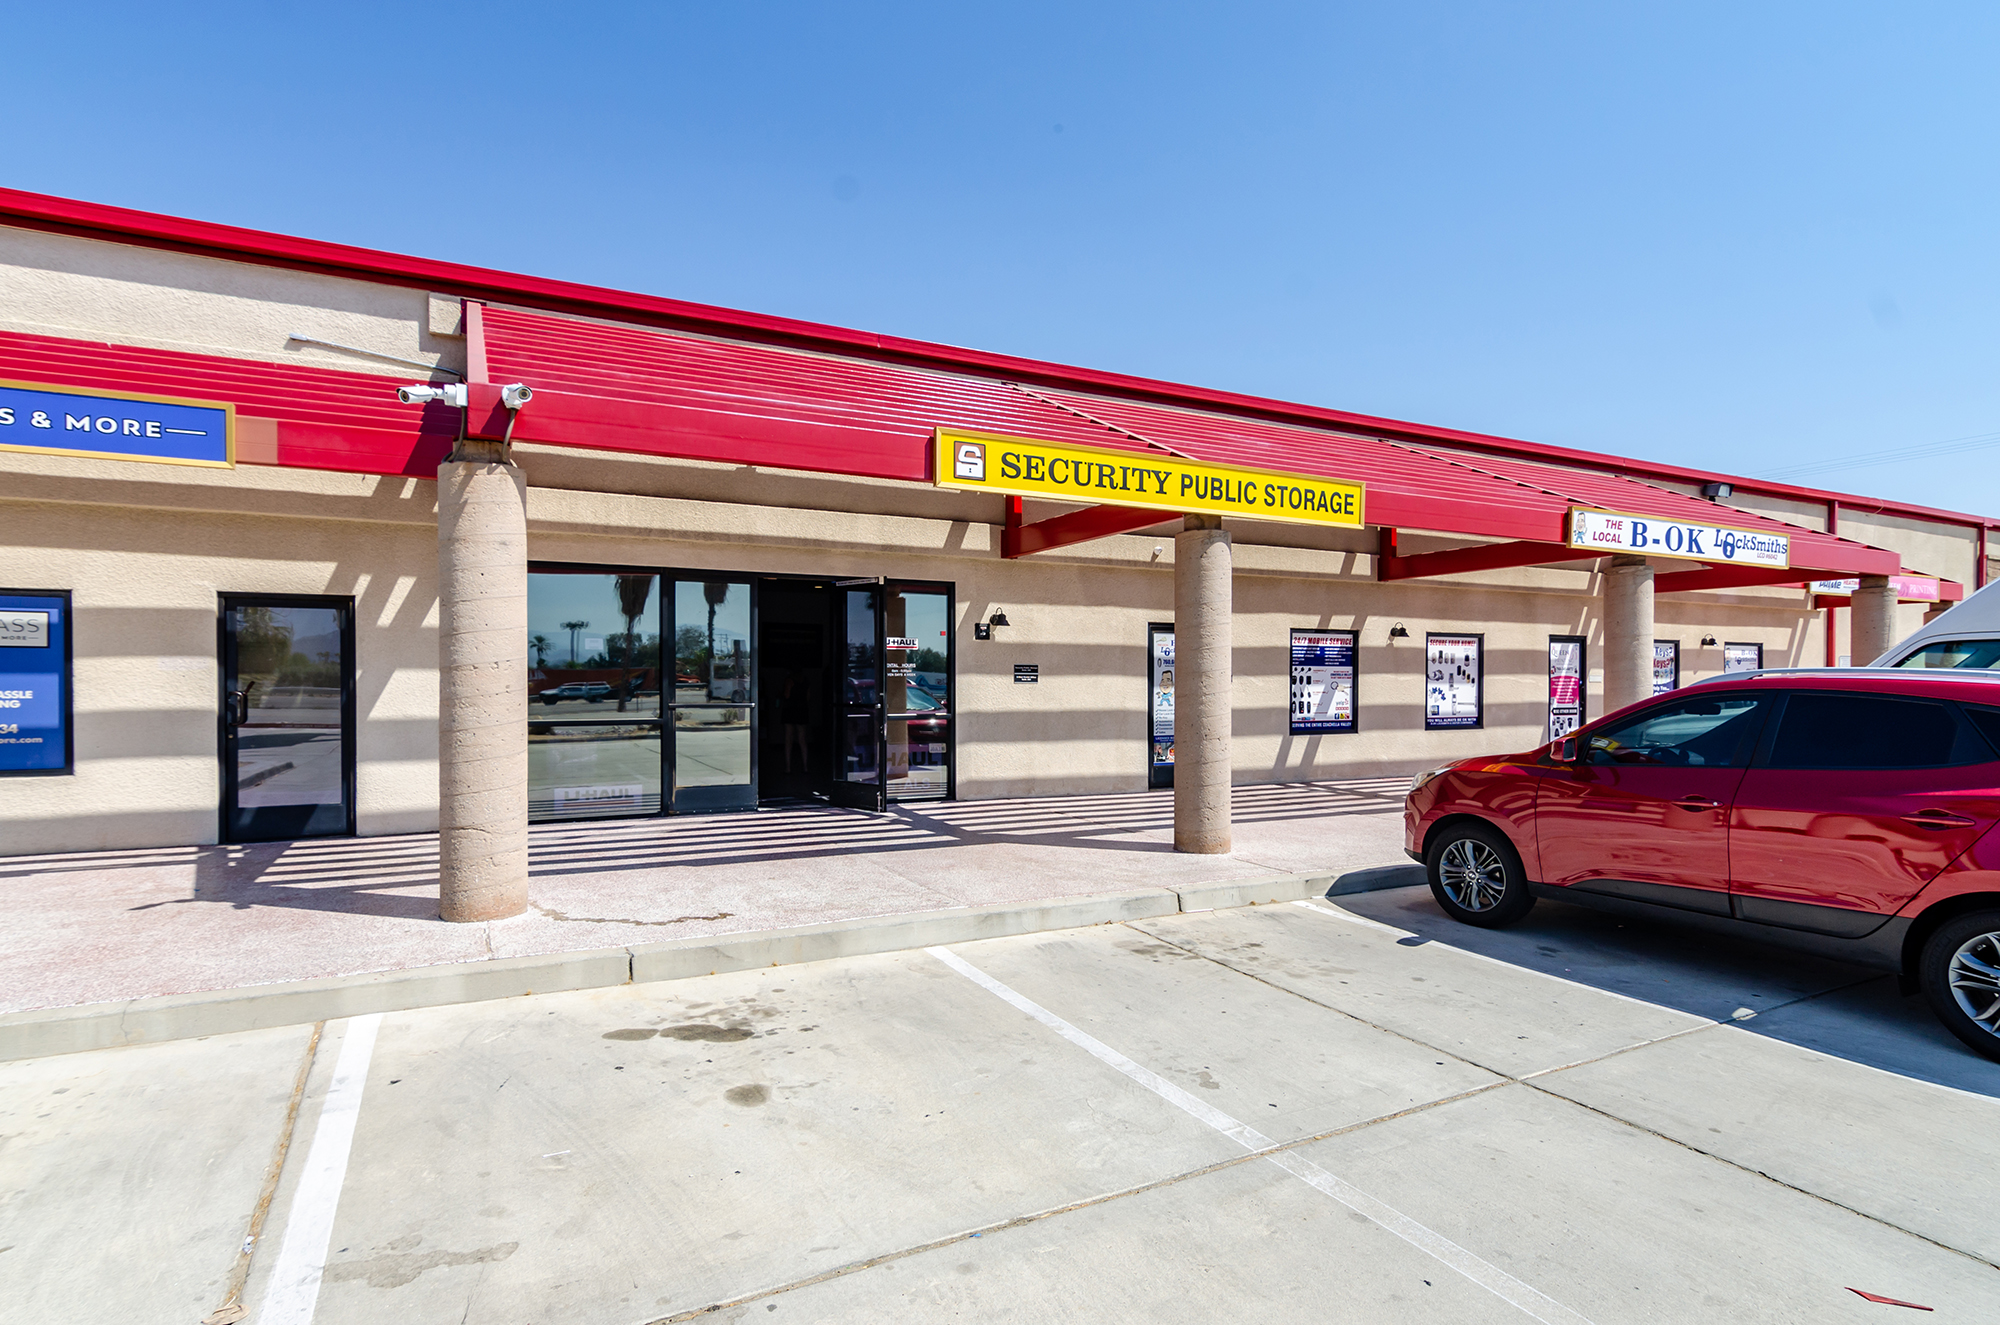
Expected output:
{"points": [[146, 684], [147, 551]]}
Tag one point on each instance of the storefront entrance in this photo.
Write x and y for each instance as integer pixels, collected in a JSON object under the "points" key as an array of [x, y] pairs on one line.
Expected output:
{"points": [[287, 717], [728, 691]]}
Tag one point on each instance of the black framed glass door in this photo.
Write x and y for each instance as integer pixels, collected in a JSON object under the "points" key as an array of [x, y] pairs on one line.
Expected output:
{"points": [[714, 695], [287, 717], [917, 708], [859, 755]]}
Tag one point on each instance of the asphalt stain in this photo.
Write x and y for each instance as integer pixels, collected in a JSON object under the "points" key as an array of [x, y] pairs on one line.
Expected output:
{"points": [[396, 1270], [748, 1096], [633, 1033]]}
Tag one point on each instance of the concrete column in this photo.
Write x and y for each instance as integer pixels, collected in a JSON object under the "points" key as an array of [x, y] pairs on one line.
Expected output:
{"points": [[1203, 606], [1873, 631], [482, 685], [1628, 632]]}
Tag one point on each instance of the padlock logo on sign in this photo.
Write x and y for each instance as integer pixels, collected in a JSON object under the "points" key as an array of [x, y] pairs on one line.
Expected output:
{"points": [[971, 461]]}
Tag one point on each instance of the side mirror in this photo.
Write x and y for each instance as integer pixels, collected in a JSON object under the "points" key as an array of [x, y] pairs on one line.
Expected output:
{"points": [[1565, 750]]}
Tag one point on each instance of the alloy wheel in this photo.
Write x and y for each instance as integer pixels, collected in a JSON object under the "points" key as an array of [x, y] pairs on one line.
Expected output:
{"points": [[1473, 875], [1974, 977]]}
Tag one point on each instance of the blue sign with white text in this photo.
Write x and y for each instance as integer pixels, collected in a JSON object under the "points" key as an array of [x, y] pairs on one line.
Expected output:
{"points": [[175, 432], [34, 683]]}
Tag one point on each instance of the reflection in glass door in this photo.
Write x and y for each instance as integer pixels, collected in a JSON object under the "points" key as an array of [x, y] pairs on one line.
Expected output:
{"points": [[287, 717], [714, 696], [917, 705], [858, 755], [593, 694]]}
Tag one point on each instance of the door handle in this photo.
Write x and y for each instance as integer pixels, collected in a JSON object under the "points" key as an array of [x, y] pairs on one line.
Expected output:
{"points": [[1938, 819], [239, 707], [1697, 803]]}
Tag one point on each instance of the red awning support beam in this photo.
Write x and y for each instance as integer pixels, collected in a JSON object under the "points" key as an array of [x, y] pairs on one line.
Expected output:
{"points": [[1458, 560], [1023, 540], [1724, 577]]}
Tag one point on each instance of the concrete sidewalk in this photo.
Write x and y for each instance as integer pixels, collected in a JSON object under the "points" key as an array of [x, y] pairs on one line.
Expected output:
{"points": [[111, 926]]}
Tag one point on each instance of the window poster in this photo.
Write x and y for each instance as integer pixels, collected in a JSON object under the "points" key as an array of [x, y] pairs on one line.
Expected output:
{"points": [[34, 683], [1322, 681], [1160, 706], [1566, 662], [1666, 665], [1454, 689], [1742, 657]]}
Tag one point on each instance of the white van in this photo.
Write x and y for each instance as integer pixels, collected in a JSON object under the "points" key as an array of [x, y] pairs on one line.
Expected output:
{"points": [[1965, 636]]}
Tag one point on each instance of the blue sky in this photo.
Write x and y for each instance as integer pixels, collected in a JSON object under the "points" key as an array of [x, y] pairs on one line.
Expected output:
{"points": [[1756, 238]]}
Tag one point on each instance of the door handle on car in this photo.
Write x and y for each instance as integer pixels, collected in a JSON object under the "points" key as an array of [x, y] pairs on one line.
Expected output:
{"points": [[1938, 819], [1697, 803]]}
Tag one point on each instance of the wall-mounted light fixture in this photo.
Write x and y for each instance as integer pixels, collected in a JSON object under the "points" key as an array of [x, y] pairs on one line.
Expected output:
{"points": [[1708, 641], [1398, 632], [1716, 491], [998, 619], [984, 629]]}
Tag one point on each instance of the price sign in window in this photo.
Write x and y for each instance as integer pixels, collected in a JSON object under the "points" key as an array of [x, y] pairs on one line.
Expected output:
{"points": [[1454, 681]]}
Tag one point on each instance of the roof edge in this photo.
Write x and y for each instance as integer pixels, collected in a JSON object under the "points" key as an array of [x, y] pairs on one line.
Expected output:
{"points": [[102, 221]]}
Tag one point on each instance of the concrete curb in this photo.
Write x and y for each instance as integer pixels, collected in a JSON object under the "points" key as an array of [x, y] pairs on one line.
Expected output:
{"points": [[46, 1032]]}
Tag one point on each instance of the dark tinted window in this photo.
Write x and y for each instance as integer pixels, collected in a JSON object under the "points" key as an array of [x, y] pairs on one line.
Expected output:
{"points": [[1872, 731], [1987, 720], [1714, 731]]}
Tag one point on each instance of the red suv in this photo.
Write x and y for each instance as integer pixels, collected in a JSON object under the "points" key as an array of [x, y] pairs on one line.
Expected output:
{"points": [[1841, 812]]}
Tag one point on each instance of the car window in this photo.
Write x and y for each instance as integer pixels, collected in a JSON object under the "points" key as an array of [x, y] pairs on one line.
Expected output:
{"points": [[1833, 730], [1956, 653], [1986, 719], [1715, 731]]}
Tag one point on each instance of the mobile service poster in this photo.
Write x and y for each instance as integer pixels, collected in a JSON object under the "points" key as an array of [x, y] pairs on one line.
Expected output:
{"points": [[1666, 665], [1454, 668], [1565, 685], [1160, 706], [34, 683], [1322, 681]]}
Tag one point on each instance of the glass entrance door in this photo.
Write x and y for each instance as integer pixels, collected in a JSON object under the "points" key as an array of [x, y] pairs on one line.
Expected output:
{"points": [[287, 717], [714, 696], [916, 647], [858, 754]]}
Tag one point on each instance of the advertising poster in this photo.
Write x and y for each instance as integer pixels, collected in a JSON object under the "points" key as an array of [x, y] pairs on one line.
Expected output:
{"points": [[1322, 681], [1160, 706], [34, 683], [1565, 685], [1666, 665], [1742, 657], [1454, 668]]}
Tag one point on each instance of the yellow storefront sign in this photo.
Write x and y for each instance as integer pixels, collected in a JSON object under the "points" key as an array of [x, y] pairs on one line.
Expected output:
{"points": [[990, 463]]}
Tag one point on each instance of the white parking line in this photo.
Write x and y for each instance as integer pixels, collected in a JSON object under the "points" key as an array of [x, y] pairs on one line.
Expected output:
{"points": [[1488, 1276], [293, 1293]]}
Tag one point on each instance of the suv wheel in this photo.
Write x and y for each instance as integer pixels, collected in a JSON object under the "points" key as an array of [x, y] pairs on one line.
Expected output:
{"points": [[1476, 876], [1960, 975]]}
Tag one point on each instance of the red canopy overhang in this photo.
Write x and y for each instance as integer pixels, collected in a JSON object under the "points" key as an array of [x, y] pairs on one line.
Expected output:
{"points": [[615, 388]]}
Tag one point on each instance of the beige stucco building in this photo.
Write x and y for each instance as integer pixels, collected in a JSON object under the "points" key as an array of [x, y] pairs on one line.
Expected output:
{"points": [[243, 633]]}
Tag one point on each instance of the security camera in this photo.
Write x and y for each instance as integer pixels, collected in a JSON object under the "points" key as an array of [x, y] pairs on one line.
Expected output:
{"points": [[451, 393], [516, 395]]}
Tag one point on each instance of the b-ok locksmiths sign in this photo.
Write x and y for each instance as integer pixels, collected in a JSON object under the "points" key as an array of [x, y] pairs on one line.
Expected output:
{"points": [[1140, 478], [1650, 536]]}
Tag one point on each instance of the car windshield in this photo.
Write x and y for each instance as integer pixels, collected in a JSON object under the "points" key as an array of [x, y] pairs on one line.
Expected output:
{"points": [[1956, 653]]}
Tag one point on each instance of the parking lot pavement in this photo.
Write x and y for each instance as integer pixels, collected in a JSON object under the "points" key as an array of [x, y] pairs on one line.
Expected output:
{"points": [[1292, 1112]]}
